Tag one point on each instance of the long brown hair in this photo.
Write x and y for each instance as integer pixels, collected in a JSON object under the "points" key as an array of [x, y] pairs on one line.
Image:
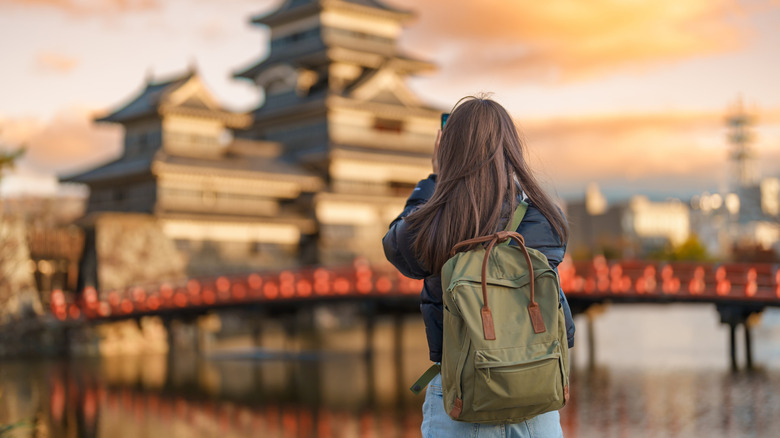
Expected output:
{"points": [[480, 155]]}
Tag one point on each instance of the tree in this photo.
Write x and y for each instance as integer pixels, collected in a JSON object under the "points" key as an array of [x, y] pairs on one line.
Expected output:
{"points": [[8, 159], [17, 286], [692, 250]]}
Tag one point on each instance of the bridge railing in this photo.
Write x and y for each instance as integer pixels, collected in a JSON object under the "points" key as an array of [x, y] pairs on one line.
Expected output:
{"points": [[750, 282], [593, 279], [318, 283]]}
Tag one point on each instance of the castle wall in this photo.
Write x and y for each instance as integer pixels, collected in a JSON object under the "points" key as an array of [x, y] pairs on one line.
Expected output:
{"points": [[192, 136]]}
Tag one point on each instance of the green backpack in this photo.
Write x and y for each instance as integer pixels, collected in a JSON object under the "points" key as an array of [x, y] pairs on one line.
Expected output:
{"points": [[505, 354]]}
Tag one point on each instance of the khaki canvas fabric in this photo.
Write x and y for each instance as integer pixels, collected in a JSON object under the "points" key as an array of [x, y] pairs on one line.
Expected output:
{"points": [[506, 361]]}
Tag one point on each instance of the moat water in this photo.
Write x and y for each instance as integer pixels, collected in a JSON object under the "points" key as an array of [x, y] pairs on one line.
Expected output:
{"points": [[659, 371]]}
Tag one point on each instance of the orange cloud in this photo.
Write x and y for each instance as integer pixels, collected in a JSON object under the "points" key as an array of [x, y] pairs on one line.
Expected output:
{"points": [[627, 147], [671, 153], [89, 7], [69, 142], [571, 39], [55, 62]]}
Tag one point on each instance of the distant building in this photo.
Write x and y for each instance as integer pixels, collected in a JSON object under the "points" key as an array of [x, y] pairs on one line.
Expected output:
{"points": [[628, 229], [713, 220], [748, 218], [723, 224], [654, 224], [595, 226], [742, 223]]}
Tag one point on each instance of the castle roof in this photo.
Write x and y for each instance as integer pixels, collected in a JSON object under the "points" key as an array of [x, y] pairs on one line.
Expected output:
{"points": [[292, 9], [117, 169], [239, 167], [317, 50], [182, 94]]}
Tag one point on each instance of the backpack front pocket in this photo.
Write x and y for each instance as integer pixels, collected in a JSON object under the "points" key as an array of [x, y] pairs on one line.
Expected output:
{"points": [[511, 384]]}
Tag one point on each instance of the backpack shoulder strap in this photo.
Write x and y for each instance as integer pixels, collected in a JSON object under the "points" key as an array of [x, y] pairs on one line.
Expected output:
{"points": [[517, 217], [426, 378]]}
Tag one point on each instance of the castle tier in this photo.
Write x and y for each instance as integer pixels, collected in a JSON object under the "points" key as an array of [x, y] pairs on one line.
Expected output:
{"points": [[336, 99], [224, 203]]}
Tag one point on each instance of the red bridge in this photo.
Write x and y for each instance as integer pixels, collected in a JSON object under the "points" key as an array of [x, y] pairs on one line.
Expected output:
{"points": [[738, 290], [596, 281], [644, 281]]}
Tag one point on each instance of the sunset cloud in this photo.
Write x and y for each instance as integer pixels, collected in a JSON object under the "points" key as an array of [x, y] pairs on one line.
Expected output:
{"points": [[88, 7], [570, 39], [67, 143], [627, 147], [669, 152], [55, 62]]}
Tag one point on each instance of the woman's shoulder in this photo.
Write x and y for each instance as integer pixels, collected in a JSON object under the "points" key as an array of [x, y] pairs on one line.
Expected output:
{"points": [[537, 229]]}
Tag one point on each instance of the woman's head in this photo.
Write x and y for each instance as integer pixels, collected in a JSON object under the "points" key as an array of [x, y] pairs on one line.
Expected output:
{"points": [[476, 131], [481, 162]]}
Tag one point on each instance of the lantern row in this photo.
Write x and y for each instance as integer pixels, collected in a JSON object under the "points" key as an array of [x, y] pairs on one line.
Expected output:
{"points": [[598, 277]]}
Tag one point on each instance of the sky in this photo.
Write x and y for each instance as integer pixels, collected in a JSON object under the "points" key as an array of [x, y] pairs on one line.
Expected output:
{"points": [[630, 94]]}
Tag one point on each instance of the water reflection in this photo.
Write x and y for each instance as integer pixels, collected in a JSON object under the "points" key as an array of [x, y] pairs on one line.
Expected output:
{"points": [[673, 404], [344, 393], [123, 398], [189, 397]]}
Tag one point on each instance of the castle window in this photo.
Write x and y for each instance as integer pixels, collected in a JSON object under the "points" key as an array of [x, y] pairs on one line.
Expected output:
{"points": [[388, 125], [363, 36]]}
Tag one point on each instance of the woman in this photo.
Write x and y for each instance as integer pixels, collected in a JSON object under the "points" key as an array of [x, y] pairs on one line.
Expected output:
{"points": [[479, 176]]}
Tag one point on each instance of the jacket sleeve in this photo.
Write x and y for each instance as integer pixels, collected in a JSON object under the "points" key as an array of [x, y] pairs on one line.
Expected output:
{"points": [[399, 239], [570, 328], [541, 236]]}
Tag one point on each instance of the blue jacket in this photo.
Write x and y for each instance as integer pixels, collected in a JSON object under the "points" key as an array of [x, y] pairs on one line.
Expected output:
{"points": [[398, 245]]}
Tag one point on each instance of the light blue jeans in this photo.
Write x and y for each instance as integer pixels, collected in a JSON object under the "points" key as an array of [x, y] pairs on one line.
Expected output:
{"points": [[437, 424]]}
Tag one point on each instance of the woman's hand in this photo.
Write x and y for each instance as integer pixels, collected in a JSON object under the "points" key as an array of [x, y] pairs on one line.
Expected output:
{"points": [[435, 158]]}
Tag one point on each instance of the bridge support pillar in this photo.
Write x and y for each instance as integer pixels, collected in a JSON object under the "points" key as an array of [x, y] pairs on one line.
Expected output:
{"points": [[735, 315], [748, 347], [62, 345], [398, 357], [256, 323], [733, 345], [197, 337], [591, 313], [168, 324], [370, 330], [368, 350], [591, 342]]}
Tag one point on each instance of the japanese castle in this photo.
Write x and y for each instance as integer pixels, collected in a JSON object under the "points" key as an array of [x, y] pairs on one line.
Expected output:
{"points": [[313, 175]]}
